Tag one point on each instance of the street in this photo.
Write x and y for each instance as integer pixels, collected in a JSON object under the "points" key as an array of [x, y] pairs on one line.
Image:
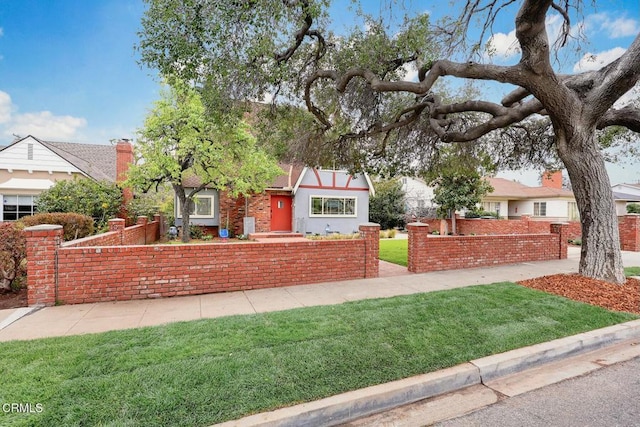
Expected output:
{"points": [[606, 397]]}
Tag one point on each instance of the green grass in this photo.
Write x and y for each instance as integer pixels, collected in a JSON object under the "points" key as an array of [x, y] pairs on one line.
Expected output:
{"points": [[208, 371], [394, 251], [632, 271]]}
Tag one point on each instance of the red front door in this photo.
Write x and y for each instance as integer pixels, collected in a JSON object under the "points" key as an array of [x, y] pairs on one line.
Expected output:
{"points": [[281, 213]]}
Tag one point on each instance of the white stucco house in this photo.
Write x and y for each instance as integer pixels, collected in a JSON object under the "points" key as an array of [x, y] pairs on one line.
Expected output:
{"points": [[550, 201], [418, 197], [625, 194]]}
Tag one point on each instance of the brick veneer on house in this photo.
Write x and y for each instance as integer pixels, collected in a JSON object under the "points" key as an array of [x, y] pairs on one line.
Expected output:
{"points": [[115, 273], [259, 207], [427, 252]]}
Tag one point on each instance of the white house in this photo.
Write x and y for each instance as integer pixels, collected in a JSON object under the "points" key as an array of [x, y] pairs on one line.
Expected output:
{"points": [[30, 165], [625, 194], [418, 196], [550, 201]]}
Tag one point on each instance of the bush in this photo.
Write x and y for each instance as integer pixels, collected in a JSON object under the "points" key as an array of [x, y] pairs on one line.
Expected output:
{"points": [[196, 232], [633, 208], [75, 226], [13, 254], [479, 214], [99, 200], [388, 234]]}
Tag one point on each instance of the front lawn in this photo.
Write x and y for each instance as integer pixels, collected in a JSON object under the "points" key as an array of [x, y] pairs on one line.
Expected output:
{"points": [[632, 271], [394, 250], [208, 371]]}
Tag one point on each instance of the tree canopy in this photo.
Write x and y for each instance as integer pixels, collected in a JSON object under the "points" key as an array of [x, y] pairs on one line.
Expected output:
{"points": [[356, 87], [180, 140]]}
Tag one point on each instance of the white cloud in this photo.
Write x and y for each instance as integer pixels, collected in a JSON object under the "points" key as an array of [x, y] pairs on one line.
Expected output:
{"points": [[503, 45], [41, 124], [621, 27], [410, 72], [5, 107], [595, 61], [598, 23]]}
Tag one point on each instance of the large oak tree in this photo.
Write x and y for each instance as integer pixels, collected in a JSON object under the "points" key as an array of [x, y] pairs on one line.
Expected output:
{"points": [[355, 86]]}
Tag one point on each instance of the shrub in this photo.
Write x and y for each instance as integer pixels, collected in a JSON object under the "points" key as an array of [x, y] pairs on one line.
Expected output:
{"points": [[196, 232], [13, 254], [633, 208], [99, 200], [75, 226], [387, 234]]}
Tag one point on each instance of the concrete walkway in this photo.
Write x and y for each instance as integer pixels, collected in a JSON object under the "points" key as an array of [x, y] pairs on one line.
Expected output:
{"points": [[31, 323]]}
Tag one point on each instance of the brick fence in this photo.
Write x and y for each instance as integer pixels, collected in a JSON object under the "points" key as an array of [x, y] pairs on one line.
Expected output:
{"points": [[629, 226], [431, 253], [79, 273]]}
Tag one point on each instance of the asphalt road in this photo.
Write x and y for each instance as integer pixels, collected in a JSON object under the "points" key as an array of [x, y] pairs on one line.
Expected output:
{"points": [[607, 397]]}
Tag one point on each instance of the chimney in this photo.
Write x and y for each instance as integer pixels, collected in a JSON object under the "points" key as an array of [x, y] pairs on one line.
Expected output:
{"points": [[124, 158], [552, 179]]}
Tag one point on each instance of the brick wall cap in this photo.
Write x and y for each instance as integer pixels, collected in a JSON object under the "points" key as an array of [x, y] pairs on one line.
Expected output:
{"points": [[44, 227], [559, 223], [417, 224], [369, 224]]}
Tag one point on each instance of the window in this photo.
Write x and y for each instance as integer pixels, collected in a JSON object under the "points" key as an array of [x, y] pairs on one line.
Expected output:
{"points": [[574, 215], [491, 207], [200, 207], [29, 151], [332, 206], [15, 207], [540, 209]]}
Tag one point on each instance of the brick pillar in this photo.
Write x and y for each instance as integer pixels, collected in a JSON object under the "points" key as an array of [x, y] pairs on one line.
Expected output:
{"points": [[629, 226], [161, 230], [43, 242], [562, 229], [370, 233], [418, 234], [117, 225], [142, 220]]}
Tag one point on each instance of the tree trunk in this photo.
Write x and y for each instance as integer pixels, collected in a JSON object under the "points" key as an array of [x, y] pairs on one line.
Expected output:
{"points": [[600, 256], [184, 210]]}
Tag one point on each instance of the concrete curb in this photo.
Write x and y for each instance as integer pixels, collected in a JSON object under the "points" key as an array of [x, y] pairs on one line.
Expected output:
{"points": [[356, 404], [18, 314]]}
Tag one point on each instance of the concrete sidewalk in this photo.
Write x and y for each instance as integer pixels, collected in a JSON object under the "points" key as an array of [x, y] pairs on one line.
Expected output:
{"points": [[31, 323]]}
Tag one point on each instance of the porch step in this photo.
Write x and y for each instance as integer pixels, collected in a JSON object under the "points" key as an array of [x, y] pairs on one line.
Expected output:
{"points": [[274, 234]]}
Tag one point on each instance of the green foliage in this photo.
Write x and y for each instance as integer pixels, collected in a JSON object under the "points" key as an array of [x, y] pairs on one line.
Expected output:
{"points": [[456, 191], [196, 232], [13, 256], [151, 203], [181, 140], [99, 200], [387, 206], [633, 208], [479, 213], [74, 226]]}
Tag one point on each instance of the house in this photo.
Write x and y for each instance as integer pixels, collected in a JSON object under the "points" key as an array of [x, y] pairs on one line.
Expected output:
{"points": [[30, 165], [303, 200], [510, 199], [418, 197], [625, 194]]}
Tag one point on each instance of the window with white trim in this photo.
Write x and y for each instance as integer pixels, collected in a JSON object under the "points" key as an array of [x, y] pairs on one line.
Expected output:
{"points": [[16, 207], [332, 206], [539, 208], [200, 207]]}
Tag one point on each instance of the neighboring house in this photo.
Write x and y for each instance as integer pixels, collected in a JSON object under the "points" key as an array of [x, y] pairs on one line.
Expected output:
{"points": [[418, 197], [303, 200], [30, 165], [625, 194], [510, 199]]}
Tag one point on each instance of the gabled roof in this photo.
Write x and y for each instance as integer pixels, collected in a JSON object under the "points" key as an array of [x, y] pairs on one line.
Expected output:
{"points": [[94, 160], [626, 197], [514, 190], [285, 181]]}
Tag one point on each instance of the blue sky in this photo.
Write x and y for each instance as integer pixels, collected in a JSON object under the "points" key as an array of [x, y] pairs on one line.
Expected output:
{"points": [[68, 69]]}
